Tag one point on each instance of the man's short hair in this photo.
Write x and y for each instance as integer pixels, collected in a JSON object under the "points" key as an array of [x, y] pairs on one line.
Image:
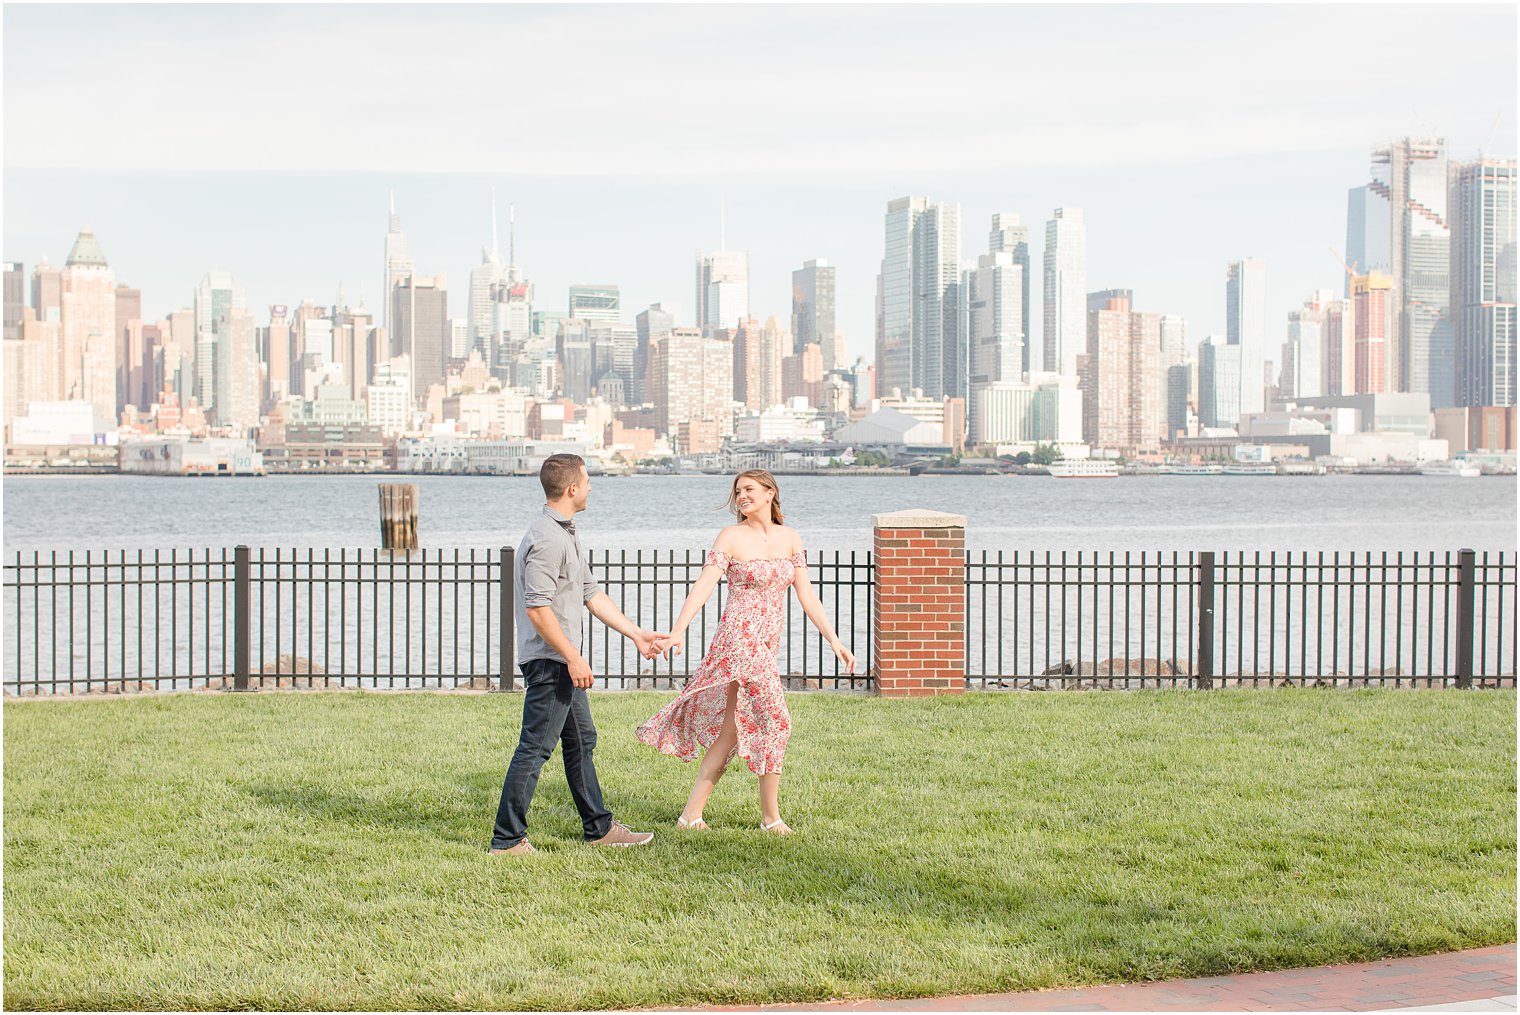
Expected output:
{"points": [[558, 472]]}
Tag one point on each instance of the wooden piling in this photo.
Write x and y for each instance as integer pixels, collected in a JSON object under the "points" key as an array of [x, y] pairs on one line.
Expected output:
{"points": [[398, 516]]}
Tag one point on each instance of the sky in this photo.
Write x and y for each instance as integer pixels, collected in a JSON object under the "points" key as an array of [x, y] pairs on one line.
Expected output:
{"points": [[266, 140]]}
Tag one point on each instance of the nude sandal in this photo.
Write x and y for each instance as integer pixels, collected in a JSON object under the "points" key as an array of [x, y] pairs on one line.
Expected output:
{"points": [[776, 827], [696, 826]]}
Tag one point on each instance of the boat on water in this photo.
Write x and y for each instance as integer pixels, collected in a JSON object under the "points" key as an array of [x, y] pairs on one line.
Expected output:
{"points": [[1083, 468], [1211, 469], [1249, 469], [1462, 470]]}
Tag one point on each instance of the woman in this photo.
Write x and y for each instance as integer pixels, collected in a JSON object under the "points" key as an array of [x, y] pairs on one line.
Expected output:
{"points": [[734, 703]]}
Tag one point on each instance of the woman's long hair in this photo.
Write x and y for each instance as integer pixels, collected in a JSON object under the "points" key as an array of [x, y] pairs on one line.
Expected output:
{"points": [[766, 480]]}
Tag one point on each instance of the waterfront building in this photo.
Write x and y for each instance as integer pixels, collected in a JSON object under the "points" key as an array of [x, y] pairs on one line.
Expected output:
{"points": [[1303, 355], [1008, 236], [1045, 409], [1246, 327], [1411, 174], [921, 339], [1218, 383], [1483, 285], [388, 397], [1121, 377], [398, 266], [813, 306], [87, 301], [789, 422], [595, 302], [1065, 334], [722, 290]]}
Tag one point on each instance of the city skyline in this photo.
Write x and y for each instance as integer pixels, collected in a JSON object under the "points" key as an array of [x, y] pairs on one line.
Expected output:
{"points": [[1173, 185]]}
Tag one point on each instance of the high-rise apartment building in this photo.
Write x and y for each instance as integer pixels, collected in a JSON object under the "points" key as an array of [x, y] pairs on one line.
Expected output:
{"points": [[691, 380], [277, 350], [1411, 174], [398, 265], [420, 310], [595, 302], [15, 300], [1009, 237], [802, 375], [216, 295], [759, 354], [47, 291], [995, 315], [1065, 335], [1218, 383], [237, 371], [813, 310], [1246, 326], [1338, 367], [128, 345], [650, 323], [1122, 388], [921, 335], [1303, 356], [722, 290], [1483, 287], [572, 348], [87, 298], [1375, 351]]}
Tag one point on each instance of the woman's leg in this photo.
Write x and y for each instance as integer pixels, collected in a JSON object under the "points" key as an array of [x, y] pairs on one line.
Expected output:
{"points": [[715, 761], [770, 811]]}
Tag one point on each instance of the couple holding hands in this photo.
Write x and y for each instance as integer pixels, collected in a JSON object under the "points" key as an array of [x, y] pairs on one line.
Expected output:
{"points": [[733, 703]]}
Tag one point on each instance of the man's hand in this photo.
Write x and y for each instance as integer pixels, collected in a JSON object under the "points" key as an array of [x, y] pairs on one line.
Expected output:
{"points": [[648, 642], [580, 672]]}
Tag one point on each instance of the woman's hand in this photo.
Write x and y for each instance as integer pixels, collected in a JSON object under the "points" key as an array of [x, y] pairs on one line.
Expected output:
{"points": [[672, 644], [844, 655]]}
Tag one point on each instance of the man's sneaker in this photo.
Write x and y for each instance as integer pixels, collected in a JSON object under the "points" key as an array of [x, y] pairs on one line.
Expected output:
{"points": [[620, 835], [521, 849]]}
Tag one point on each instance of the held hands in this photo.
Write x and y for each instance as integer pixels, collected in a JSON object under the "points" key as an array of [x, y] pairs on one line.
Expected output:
{"points": [[649, 642], [671, 645]]}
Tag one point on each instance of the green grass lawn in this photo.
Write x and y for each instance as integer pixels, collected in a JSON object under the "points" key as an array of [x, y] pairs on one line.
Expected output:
{"points": [[328, 850]]}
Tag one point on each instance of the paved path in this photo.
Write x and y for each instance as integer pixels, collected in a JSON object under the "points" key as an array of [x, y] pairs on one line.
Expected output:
{"points": [[1479, 980]]}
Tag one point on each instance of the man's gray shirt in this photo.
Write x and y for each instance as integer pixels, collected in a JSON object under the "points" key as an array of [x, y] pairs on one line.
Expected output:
{"points": [[551, 570]]}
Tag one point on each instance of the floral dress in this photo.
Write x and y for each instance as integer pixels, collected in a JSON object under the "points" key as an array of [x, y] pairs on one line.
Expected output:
{"points": [[743, 651]]}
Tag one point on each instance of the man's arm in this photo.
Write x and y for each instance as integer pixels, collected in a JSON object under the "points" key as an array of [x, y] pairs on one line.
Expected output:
{"points": [[541, 569], [604, 609], [547, 625]]}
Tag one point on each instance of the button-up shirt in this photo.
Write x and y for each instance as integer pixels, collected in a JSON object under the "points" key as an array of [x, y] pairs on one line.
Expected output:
{"points": [[551, 570]]}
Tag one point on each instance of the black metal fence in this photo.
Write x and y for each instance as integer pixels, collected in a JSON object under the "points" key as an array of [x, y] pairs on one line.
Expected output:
{"points": [[1134, 620], [285, 617]]}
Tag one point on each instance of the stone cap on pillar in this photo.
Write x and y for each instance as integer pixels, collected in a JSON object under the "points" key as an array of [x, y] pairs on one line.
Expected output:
{"points": [[918, 518]]}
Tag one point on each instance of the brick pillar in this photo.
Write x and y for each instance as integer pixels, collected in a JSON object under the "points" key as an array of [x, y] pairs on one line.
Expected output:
{"points": [[918, 604]]}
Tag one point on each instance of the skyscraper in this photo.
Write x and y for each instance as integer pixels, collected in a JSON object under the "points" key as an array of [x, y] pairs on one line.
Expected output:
{"points": [[128, 366], [87, 298], [490, 273], [1366, 232], [47, 291], [15, 300], [813, 310], [1246, 326], [420, 311], [722, 289], [1303, 356], [595, 302], [691, 379], [995, 312], [237, 371], [1483, 280], [1413, 179], [1375, 353], [214, 297], [921, 337], [1218, 383], [1122, 386], [651, 322], [1008, 236], [1065, 335], [398, 264]]}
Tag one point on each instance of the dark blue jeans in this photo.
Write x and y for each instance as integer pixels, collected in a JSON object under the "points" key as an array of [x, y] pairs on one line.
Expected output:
{"points": [[554, 711]]}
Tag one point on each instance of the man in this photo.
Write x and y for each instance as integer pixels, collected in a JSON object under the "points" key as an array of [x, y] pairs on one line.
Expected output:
{"points": [[553, 582]]}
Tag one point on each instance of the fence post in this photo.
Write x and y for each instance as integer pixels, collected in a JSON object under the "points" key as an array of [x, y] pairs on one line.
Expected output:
{"points": [[508, 618], [1206, 620], [1466, 594], [241, 608], [918, 603]]}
